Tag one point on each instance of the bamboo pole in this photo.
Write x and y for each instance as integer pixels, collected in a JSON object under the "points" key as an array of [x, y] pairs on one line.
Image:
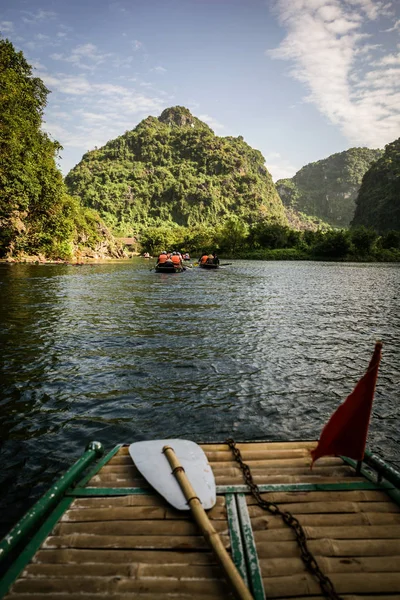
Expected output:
{"points": [[232, 574]]}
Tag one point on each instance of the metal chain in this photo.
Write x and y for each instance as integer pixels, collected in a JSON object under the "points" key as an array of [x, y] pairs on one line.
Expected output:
{"points": [[308, 559]]}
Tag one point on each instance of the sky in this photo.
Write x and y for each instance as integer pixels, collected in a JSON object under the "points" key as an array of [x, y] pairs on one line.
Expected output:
{"points": [[298, 79]]}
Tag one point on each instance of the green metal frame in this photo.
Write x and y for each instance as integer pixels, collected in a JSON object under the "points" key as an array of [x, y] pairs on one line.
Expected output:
{"points": [[33, 546], [306, 487], [80, 492], [98, 466], [49, 500], [60, 496], [237, 549], [392, 491], [382, 468], [253, 565]]}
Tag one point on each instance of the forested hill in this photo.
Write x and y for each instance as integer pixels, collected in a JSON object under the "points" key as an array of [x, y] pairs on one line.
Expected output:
{"points": [[378, 202], [37, 216], [328, 188], [175, 169]]}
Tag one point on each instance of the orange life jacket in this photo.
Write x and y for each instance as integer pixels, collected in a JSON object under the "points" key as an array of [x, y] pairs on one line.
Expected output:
{"points": [[175, 259], [204, 259], [162, 259]]}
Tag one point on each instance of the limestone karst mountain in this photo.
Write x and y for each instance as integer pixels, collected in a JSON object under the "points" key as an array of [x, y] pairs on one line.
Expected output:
{"points": [[328, 188], [175, 169], [378, 201]]}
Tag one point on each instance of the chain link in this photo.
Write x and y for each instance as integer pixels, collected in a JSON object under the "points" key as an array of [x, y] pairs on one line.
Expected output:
{"points": [[308, 559]]}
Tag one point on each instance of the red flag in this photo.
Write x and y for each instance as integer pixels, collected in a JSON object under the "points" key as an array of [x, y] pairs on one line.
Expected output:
{"points": [[346, 431]]}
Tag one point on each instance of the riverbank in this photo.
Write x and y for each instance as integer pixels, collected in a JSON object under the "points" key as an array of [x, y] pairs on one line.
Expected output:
{"points": [[289, 254], [379, 255]]}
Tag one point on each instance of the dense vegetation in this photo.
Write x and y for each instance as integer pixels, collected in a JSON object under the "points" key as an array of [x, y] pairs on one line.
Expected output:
{"points": [[378, 201], [328, 188], [177, 185], [174, 169], [37, 216], [274, 242]]}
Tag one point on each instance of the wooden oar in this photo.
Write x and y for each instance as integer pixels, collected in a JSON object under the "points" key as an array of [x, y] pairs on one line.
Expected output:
{"points": [[191, 485], [207, 529]]}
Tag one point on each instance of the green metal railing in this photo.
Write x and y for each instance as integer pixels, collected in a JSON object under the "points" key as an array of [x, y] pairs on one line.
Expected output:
{"points": [[382, 469], [49, 500]]}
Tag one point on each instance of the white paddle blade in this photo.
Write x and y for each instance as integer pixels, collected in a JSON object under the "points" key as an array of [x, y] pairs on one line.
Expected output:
{"points": [[154, 466]]}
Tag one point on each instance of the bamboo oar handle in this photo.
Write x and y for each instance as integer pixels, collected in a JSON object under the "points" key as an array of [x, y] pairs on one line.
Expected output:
{"points": [[212, 537]]}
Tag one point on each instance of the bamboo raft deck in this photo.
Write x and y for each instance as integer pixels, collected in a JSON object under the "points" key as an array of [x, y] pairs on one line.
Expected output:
{"points": [[112, 536]]}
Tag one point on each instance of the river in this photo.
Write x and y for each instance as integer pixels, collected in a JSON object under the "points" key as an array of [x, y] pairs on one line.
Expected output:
{"points": [[117, 353]]}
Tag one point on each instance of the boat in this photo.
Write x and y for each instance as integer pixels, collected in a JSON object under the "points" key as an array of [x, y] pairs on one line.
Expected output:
{"points": [[101, 531], [208, 265], [163, 268]]}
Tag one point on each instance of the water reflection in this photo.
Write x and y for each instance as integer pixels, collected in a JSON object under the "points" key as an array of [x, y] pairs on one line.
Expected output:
{"points": [[116, 352]]}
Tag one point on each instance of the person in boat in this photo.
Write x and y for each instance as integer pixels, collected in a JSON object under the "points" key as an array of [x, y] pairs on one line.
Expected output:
{"points": [[186, 256], [203, 259], [176, 259], [215, 259], [162, 258], [146, 255], [210, 259]]}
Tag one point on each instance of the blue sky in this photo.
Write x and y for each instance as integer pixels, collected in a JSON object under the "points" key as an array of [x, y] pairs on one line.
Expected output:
{"points": [[299, 79]]}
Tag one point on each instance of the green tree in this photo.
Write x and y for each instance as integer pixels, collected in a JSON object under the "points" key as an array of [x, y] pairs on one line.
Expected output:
{"points": [[36, 213], [391, 240], [333, 244], [232, 236], [363, 239], [267, 235]]}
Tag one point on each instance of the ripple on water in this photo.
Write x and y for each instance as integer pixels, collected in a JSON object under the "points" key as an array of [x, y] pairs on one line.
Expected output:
{"points": [[118, 353]]}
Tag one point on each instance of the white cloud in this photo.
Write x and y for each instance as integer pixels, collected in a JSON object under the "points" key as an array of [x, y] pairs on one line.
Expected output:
{"points": [[389, 59], [326, 43], [137, 45], [6, 26], [213, 123], [38, 65], [38, 17], [159, 69], [396, 27], [279, 167], [98, 111], [85, 56], [282, 170]]}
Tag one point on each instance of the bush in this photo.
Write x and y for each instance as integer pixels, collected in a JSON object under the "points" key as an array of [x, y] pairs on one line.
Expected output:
{"points": [[363, 239], [391, 240], [333, 244]]}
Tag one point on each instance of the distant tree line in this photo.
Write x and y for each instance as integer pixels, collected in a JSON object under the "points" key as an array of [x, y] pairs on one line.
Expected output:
{"points": [[235, 238]]}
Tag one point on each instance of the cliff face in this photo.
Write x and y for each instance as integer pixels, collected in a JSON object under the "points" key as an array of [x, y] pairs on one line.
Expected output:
{"points": [[328, 188], [378, 201], [175, 169]]}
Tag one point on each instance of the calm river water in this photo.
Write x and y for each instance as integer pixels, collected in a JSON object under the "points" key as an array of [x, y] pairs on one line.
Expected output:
{"points": [[117, 353]]}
